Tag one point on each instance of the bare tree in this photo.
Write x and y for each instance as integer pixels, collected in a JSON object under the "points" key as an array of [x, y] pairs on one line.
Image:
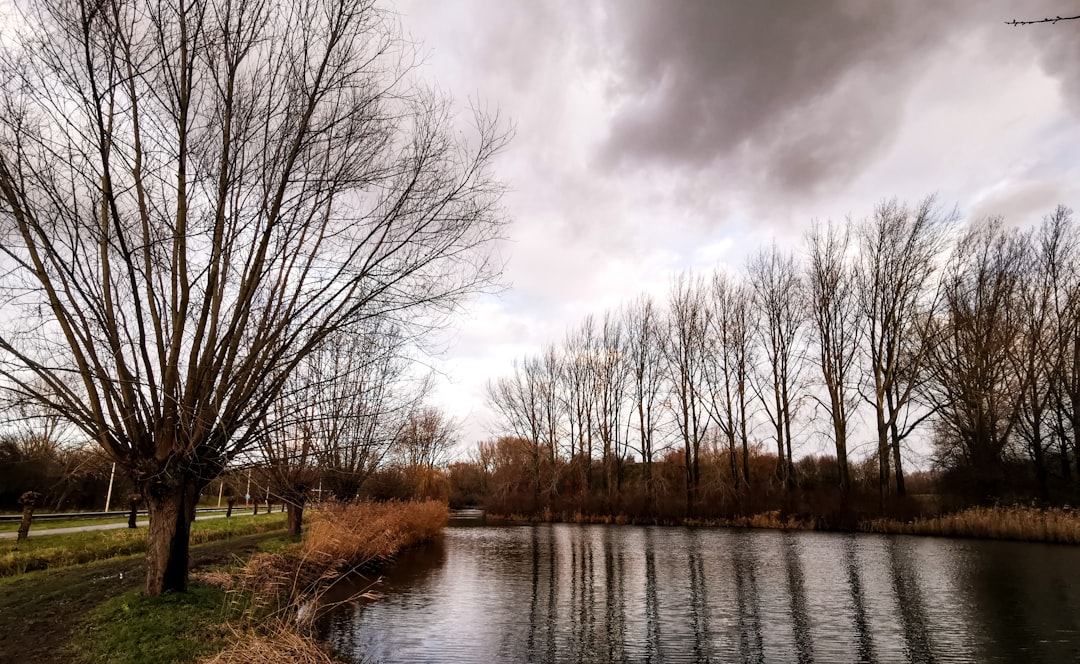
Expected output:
{"points": [[1035, 355], [1060, 246], [368, 393], [193, 197], [610, 381], [899, 248], [729, 361], [976, 391], [519, 399], [836, 329], [578, 390], [644, 358], [339, 414], [550, 383], [424, 447], [779, 300], [687, 325]]}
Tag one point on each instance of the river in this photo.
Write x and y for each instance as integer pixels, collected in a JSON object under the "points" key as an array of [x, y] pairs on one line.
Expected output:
{"points": [[580, 593]]}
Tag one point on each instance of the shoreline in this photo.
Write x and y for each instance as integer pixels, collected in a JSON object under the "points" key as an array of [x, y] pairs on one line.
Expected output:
{"points": [[1015, 523]]}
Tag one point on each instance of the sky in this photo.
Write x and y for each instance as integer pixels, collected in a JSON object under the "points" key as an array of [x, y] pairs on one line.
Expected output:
{"points": [[653, 137]]}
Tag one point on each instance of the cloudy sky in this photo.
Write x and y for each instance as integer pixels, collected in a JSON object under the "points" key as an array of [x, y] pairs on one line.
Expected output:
{"points": [[657, 136]]}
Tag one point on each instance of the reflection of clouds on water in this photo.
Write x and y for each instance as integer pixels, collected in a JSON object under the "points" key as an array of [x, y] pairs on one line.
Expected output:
{"points": [[574, 593]]}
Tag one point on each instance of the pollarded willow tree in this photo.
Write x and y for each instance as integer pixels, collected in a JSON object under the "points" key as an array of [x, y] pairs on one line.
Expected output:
{"points": [[193, 196]]}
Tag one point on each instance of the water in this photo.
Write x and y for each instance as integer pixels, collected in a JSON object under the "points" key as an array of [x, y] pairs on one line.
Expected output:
{"points": [[570, 593]]}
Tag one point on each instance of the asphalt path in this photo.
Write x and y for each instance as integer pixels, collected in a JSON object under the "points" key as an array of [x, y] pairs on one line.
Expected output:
{"points": [[36, 532]]}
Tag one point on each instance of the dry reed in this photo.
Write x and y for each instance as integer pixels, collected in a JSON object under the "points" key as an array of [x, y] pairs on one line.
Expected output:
{"points": [[276, 588], [282, 644], [351, 536], [1008, 523]]}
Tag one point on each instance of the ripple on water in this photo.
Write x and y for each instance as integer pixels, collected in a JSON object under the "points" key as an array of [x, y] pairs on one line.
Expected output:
{"points": [[582, 593]]}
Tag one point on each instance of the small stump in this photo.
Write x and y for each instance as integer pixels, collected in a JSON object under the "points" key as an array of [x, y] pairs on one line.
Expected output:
{"points": [[29, 501], [133, 501]]}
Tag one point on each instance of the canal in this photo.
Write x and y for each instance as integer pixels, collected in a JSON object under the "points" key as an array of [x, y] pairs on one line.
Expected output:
{"points": [[590, 593]]}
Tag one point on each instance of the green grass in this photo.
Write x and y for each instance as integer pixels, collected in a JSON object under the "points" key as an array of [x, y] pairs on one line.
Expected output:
{"points": [[43, 524], [51, 551], [135, 629]]}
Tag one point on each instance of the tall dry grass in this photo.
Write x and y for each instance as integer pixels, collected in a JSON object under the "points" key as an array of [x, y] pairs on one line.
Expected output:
{"points": [[277, 591], [1008, 523], [355, 535], [284, 644]]}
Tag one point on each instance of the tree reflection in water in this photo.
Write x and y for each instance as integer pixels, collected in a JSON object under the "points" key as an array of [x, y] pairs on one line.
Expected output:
{"points": [[860, 622], [570, 593]]}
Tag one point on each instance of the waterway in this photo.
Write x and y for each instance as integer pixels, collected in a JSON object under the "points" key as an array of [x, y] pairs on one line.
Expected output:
{"points": [[594, 593]]}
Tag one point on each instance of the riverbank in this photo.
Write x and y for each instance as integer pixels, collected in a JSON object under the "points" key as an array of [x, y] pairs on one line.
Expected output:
{"points": [[1018, 523], [45, 615], [280, 590], [244, 603]]}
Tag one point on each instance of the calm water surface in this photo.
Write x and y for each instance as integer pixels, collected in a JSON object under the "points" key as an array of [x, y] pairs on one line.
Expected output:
{"points": [[570, 593]]}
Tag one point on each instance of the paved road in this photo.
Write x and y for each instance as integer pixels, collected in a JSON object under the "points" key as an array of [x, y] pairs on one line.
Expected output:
{"points": [[35, 532]]}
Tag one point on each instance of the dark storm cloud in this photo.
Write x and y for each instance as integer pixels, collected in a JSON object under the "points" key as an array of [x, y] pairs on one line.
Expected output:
{"points": [[799, 95]]}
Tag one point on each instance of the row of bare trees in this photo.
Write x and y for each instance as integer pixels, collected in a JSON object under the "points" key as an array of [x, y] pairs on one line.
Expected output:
{"points": [[872, 331]]}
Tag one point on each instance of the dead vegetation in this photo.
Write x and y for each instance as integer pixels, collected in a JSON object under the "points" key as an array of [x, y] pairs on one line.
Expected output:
{"points": [[1021, 523], [278, 591]]}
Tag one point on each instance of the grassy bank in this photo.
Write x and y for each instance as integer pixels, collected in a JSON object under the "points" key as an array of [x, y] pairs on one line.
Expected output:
{"points": [[244, 600], [52, 551], [1027, 524], [41, 612]]}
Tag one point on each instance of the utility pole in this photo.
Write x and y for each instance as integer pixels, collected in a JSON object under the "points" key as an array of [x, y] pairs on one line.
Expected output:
{"points": [[108, 494]]}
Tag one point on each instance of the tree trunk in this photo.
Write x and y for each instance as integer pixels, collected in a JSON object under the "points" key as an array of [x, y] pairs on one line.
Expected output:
{"points": [[24, 525], [295, 517], [171, 507], [901, 491], [842, 460]]}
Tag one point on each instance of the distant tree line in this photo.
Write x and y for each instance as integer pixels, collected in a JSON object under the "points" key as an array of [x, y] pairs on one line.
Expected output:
{"points": [[900, 326]]}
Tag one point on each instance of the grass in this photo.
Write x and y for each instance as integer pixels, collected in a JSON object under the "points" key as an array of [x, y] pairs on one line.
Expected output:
{"points": [[52, 551], [135, 629], [45, 524], [1008, 523], [217, 623]]}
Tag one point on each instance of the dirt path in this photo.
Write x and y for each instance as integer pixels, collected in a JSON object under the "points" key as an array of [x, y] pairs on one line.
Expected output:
{"points": [[39, 613]]}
